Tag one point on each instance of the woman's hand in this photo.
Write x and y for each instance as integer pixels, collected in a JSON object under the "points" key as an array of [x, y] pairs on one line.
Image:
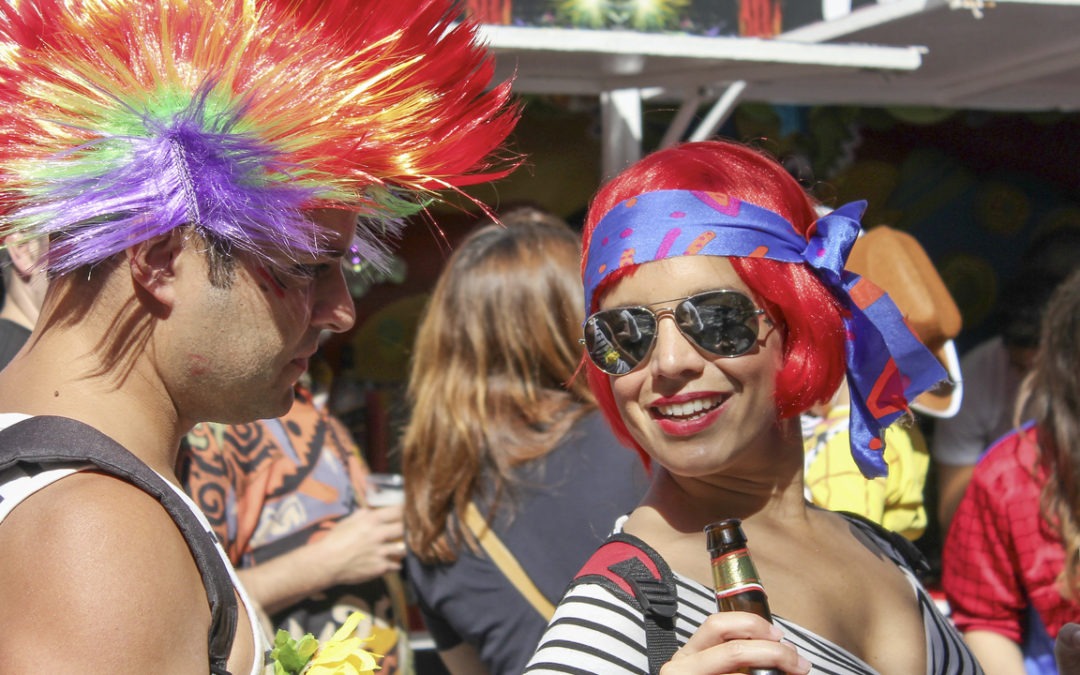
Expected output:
{"points": [[728, 642]]}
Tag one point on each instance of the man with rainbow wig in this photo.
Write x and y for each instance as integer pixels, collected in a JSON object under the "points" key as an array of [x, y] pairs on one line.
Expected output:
{"points": [[201, 169]]}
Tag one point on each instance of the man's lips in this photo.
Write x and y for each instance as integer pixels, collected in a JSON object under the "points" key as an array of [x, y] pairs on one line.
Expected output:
{"points": [[305, 358]]}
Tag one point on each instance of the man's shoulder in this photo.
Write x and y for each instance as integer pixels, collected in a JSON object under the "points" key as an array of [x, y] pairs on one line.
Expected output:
{"points": [[95, 510], [97, 533], [103, 559]]}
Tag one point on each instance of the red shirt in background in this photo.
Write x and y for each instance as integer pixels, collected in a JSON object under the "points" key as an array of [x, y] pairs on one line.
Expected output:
{"points": [[1000, 556]]}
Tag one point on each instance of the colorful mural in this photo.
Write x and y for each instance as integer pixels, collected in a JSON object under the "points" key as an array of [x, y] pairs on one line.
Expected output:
{"points": [[746, 18]]}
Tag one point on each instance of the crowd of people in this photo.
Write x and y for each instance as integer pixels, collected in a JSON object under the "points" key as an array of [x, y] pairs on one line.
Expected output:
{"points": [[183, 186]]}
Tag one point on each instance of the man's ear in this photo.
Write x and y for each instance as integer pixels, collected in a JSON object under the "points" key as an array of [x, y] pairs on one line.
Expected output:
{"points": [[24, 253], [153, 266]]}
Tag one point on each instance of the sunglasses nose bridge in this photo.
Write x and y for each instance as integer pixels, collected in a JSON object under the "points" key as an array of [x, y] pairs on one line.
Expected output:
{"points": [[672, 350], [662, 312], [666, 312]]}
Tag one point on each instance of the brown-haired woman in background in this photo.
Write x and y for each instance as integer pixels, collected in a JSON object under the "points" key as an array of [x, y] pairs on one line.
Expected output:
{"points": [[498, 420]]}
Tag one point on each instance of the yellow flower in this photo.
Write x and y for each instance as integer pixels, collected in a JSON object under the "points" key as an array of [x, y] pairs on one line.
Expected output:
{"points": [[343, 654], [383, 639]]}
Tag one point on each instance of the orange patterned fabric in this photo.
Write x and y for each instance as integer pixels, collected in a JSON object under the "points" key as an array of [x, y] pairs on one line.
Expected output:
{"points": [[271, 486]]}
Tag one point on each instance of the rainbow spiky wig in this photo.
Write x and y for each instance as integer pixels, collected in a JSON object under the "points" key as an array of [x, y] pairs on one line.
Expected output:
{"points": [[124, 119]]}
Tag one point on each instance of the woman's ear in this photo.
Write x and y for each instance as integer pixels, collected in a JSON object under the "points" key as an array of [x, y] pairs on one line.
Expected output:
{"points": [[153, 266]]}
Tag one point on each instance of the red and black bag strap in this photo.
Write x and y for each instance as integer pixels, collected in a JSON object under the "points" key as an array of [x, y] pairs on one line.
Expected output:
{"points": [[38, 442], [633, 571]]}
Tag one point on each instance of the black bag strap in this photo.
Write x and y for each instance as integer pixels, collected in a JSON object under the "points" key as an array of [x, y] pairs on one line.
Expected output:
{"points": [[44, 440], [632, 570]]}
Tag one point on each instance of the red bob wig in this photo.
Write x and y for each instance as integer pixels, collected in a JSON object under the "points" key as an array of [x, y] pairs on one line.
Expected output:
{"points": [[792, 295]]}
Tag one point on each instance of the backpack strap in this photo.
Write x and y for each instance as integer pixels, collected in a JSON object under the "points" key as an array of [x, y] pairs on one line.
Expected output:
{"points": [[633, 571], [40, 441]]}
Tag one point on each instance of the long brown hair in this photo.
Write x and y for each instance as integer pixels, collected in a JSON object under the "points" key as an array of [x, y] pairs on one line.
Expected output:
{"points": [[492, 378], [1052, 396]]}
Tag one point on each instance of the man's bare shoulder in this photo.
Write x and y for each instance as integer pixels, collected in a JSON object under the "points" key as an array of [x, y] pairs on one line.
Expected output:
{"points": [[96, 574]]}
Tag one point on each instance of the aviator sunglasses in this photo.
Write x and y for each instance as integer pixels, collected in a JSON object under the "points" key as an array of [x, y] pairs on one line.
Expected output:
{"points": [[724, 323]]}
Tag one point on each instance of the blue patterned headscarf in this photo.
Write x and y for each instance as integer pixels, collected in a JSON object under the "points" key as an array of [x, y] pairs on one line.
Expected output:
{"points": [[886, 364]]}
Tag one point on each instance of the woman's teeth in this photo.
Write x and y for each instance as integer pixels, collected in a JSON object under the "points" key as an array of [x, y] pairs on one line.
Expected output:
{"points": [[690, 409]]}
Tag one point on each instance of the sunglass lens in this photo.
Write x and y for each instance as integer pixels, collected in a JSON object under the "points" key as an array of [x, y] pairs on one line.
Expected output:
{"points": [[619, 339], [722, 322]]}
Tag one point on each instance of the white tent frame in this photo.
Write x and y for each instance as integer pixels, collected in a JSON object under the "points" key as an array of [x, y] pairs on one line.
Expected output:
{"points": [[625, 68], [1020, 55]]}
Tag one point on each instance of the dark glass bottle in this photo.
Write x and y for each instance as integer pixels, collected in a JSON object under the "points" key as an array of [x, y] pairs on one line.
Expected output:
{"points": [[738, 587]]}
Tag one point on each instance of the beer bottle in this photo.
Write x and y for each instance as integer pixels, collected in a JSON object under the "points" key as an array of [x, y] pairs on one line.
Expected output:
{"points": [[735, 578]]}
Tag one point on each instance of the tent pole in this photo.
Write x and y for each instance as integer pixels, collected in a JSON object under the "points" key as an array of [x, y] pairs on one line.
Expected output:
{"points": [[621, 115], [683, 118], [720, 111]]}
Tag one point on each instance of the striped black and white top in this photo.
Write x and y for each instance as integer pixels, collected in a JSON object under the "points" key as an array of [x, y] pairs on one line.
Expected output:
{"points": [[595, 632]]}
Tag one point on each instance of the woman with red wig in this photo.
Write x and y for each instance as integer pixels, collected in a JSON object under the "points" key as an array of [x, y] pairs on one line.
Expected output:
{"points": [[764, 322]]}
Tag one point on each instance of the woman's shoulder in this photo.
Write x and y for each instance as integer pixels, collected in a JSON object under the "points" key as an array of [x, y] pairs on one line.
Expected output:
{"points": [[897, 547]]}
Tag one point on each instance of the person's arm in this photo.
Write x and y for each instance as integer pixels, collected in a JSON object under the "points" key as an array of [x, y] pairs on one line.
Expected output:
{"points": [[98, 579], [997, 654], [959, 441], [980, 583], [362, 546], [952, 482], [463, 660]]}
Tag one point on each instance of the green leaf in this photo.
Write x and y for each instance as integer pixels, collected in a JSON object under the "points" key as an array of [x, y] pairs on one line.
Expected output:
{"points": [[289, 655]]}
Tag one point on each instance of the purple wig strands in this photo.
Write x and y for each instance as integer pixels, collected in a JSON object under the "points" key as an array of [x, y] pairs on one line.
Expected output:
{"points": [[193, 168]]}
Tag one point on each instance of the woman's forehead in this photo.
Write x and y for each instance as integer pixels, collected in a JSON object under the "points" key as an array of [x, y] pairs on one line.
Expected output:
{"points": [[669, 278]]}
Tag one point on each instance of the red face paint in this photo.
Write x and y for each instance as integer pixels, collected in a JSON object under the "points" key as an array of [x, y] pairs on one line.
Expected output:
{"points": [[198, 364], [275, 285]]}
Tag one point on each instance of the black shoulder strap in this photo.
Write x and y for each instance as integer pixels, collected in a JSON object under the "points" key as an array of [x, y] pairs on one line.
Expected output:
{"points": [[44, 440], [909, 552], [632, 570]]}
